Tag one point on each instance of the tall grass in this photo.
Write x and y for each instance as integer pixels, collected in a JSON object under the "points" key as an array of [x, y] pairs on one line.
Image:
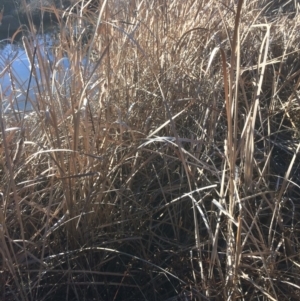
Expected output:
{"points": [[162, 163]]}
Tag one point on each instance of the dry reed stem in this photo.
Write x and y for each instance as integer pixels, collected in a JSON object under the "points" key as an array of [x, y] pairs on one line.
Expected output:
{"points": [[152, 167]]}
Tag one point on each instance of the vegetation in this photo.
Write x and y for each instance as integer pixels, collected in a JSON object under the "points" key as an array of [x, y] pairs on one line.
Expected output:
{"points": [[162, 163]]}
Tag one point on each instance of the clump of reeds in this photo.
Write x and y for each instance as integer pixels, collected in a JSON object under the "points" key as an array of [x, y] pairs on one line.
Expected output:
{"points": [[159, 161]]}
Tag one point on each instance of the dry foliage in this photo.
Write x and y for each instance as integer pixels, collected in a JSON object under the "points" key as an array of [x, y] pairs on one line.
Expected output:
{"points": [[162, 163]]}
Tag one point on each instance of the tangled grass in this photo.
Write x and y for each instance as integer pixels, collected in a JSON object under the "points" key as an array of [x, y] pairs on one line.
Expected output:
{"points": [[162, 164]]}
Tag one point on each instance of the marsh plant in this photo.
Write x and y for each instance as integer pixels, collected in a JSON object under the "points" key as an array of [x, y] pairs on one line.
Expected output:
{"points": [[162, 163]]}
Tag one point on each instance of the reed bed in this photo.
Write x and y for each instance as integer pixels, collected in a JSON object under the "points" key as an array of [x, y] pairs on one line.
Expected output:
{"points": [[162, 163]]}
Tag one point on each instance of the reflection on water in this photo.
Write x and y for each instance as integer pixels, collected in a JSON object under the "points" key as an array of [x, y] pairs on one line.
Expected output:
{"points": [[14, 76], [19, 85]]}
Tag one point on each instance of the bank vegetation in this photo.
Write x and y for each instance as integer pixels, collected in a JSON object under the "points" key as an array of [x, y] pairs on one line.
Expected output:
{"points": [[163, 163]]}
